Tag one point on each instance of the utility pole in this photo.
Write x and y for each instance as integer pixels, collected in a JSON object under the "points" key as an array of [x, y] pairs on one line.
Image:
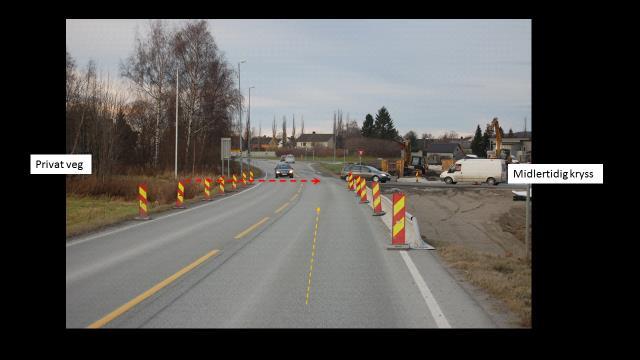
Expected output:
{"points": [[527, 236], [240, 114], [249, 126], [175, 174]]}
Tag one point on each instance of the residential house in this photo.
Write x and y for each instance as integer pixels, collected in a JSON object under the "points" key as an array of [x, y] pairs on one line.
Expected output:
{"points": [[436, 152], [519, 145], [311, 140]]}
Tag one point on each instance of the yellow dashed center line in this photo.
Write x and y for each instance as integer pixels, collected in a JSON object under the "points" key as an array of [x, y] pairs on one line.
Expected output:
{"points": [[140, 298], [313, 254], [282, 207], [251, 228]]}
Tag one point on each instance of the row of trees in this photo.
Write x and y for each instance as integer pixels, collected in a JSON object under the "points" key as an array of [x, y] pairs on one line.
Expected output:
{"points": [[136, 129]]}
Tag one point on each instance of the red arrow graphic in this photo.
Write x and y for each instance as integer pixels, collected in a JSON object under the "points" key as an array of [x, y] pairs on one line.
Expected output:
{"points": [[315, 181]]}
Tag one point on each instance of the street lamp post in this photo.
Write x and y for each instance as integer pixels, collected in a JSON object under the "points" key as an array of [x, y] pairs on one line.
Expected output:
{"points": [[249, 126], [175, 174], [240, 115]]}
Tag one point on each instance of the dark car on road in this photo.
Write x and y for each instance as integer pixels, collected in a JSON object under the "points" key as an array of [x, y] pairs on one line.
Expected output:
{"points": [[370, 173], [283, 169]]}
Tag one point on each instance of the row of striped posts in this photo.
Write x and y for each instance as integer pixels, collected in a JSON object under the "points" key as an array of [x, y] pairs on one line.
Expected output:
{"points": [[359, 186], [143, 210]]}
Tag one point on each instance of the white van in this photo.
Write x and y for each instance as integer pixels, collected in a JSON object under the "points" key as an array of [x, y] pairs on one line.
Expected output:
{"points": [[491, 171]]}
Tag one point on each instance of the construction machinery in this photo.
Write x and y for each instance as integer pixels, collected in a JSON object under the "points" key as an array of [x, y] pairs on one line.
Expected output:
{"points": [[409, 162], [499, 152]]}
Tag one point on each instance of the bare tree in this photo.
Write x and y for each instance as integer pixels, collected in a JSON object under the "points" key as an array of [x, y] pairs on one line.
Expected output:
{"points": [[149, 69], [302, 127], [284, 131], [293, 131]]}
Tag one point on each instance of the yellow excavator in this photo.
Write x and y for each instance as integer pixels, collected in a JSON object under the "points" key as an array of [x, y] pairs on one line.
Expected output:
{"points": [[409, 162], [499, 151]]}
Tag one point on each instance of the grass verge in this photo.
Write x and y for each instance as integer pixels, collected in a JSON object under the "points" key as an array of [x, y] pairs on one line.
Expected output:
{"points": [[332, 168], [87, 213], [507, 279]]}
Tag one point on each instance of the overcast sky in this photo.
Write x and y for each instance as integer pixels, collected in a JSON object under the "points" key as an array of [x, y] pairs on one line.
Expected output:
{"points": [[432, 75]]}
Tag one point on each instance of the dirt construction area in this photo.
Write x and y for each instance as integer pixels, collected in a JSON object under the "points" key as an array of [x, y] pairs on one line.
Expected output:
{"points": [[480, 219], [479, 234]]}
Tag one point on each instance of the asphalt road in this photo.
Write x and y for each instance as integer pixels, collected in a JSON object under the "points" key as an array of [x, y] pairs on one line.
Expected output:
{"points": [[251, 260]]}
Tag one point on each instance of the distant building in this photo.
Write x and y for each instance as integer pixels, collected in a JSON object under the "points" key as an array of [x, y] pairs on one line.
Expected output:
{"points": [[464, 141], [435, 153], [311, 140], [519, 145], [263, 143]]}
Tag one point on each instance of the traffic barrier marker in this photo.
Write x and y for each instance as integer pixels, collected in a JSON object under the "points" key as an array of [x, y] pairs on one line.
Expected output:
{"points": [[244, 178], [363, 192], [377, 202], [397, 223], [207, 190], [180, 197], [221, 185], [143, 212], [349, 181], [233, 183]]}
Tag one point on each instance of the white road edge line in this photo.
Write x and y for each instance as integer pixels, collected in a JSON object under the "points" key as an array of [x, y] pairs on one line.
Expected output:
{"points": [[432, 304], [71, 243]]}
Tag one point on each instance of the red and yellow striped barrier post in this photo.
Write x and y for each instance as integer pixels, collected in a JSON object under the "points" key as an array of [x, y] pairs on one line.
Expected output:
{"points": [[250, 176], [349, 181], [363, 192], [234, 180], [398, 222], [377, 203], [221, 185], [244, 178], [143, 212], [356, 186], [207, 189], [180, 197], [353, 183]]}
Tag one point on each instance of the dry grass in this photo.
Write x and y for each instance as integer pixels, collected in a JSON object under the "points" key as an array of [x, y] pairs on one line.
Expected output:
{"points": [[507, 279], [93, 203]]}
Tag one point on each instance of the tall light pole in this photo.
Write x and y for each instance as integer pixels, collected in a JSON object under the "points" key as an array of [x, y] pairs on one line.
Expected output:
{"points": [[176, 157], [240, 114], [249, 126]]}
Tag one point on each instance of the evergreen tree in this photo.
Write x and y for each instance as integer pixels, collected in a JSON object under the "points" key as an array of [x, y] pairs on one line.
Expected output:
{"points": [[486, 139], [477, 144], [367, 126], [510, 132], [413, 138], [383, 126]]}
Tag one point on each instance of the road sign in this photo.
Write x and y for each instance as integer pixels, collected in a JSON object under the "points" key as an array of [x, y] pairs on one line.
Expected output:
{"points": [[225, 148], [360, 152]]}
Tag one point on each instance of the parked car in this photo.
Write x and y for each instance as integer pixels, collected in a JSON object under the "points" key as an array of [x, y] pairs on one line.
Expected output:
{"points": [[345, 171], [491, 171], [283, 169], [370, 173], [290, 159]]}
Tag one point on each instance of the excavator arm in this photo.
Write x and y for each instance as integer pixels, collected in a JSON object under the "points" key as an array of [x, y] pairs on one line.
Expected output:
{"points": [[496, 127]]}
